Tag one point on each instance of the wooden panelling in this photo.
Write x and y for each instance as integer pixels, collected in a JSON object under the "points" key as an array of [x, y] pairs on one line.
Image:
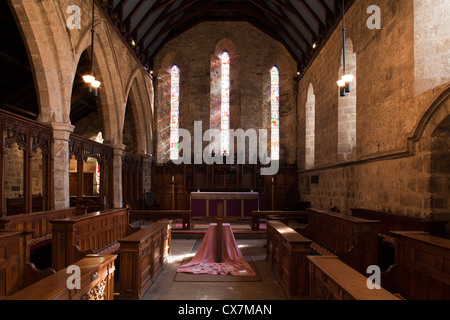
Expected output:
{"points": [[143, 255], [286, 255], [422, 266], [97, 282], [353, 240], [93, 232]]}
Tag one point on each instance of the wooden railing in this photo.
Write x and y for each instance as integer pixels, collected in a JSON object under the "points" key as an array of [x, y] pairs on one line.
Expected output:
{"points": [[154, 215], [96, 281], [143, 256], [286, 255], [353, 240], [38, 223], [285, 215]]}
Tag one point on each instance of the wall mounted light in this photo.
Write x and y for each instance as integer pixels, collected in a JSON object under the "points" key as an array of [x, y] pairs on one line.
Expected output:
{"points": [[345, 82]]}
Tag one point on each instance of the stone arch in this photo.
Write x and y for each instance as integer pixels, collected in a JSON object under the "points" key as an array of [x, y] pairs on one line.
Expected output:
{"points": [[310, 127], [111, 92], [47, 45], [138, 103], [432, 137], [347, 108]]}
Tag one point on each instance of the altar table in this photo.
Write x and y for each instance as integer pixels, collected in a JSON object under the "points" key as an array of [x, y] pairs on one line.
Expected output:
{"points": [[204, 261], [235, 204]]}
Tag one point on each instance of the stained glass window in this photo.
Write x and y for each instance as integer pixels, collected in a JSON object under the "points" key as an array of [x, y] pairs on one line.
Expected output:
{"points": [[225, 104], [98, 139], [174, 112], [275, 114]]}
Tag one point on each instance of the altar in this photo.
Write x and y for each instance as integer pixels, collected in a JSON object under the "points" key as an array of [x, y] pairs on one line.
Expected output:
{"points": [[235, 204]]}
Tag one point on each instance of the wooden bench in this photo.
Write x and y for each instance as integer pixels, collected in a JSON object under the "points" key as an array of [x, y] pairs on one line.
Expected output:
{"points": [[97, 233], [332, 279], [155, 215], [286, 254], [16, 272], [422, 266], [277, 215], [97, 282], [143, 255], [351, 239], [393, 222]]}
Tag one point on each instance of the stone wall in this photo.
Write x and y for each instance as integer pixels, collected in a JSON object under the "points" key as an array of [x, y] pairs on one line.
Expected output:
{"points": [[392, 166], [196, 53]]}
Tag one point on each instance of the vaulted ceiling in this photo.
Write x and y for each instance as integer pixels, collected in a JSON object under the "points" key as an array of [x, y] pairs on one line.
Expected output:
{"points": [[146, 25]]}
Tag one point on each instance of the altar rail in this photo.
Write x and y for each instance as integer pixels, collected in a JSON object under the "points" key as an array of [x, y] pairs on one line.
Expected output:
{"points": [[141, 216], [92, 233], [97, 282], [143, 255], [283, 215], [286, 255]]}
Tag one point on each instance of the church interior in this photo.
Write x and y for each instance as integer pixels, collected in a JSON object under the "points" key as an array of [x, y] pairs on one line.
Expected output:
{"points": [[225, 150]]}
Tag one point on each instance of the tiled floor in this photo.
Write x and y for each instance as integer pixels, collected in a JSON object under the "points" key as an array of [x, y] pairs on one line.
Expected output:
{"points": [[165, 288]]}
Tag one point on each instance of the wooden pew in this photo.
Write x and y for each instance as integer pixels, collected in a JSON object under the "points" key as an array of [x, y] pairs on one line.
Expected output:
{"points": [[155, 215], [332, 279], [38, 223], [98, 232], [285, 215], [97, 282], [143, 255], [286, 254], [422, 266], [395, 222], [16, 272], [351, 239]]}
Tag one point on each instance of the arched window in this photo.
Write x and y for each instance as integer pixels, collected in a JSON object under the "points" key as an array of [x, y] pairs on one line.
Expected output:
{"points": [[310, 110], [225, 103], [174, 112], [275, 113]]}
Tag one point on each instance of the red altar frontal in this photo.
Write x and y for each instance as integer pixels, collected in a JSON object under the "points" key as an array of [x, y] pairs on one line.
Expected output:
{"points": [[235, 204]]}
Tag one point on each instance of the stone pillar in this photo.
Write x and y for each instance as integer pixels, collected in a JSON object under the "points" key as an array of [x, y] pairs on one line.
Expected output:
{"points": [[61, 136], [117, 175]]}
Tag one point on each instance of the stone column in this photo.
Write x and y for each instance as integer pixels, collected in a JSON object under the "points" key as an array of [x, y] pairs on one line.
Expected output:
{"points": [[117, 175], [61, 136]]}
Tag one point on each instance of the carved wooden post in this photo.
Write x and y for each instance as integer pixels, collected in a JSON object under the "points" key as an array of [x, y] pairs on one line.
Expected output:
{"points": [[273, 194], [219, 233], [173, 193]]}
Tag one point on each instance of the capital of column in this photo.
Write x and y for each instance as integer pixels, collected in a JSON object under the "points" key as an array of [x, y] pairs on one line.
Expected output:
{"points": [[62, 131]]}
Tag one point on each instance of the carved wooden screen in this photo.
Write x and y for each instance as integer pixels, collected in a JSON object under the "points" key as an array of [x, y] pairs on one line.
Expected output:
{"points": [[33, 185], [82, 149]]}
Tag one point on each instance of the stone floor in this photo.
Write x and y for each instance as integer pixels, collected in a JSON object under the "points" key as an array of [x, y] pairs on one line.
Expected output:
{"points": [[165, 288]]}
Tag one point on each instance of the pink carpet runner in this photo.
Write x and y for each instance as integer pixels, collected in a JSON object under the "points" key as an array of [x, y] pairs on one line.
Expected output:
{"points": [[233, 262]]}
